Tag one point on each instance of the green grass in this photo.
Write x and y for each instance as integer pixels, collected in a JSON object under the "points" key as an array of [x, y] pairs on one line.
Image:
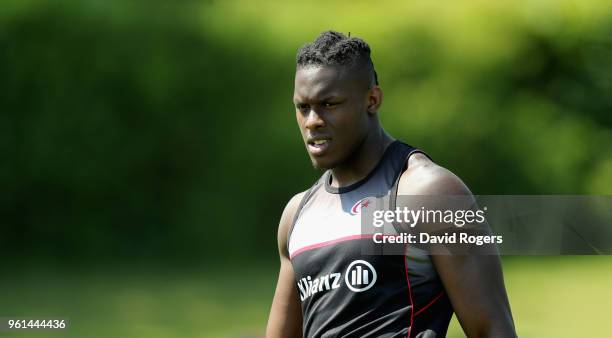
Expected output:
{"points": [[558, 297], [550, 297]]}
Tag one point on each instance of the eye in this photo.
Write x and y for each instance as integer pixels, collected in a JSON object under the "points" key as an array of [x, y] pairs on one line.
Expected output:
{"points": [[303, 108], [329, 104]]}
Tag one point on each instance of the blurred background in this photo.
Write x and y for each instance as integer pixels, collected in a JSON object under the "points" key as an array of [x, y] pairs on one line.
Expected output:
{"points": [[149, 148]]}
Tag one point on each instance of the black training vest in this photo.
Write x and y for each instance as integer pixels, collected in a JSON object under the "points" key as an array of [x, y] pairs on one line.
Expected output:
{"points": [[345, 293]]}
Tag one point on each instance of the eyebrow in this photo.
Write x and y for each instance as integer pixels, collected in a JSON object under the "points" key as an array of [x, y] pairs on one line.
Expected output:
{"points": [[326, 98]]}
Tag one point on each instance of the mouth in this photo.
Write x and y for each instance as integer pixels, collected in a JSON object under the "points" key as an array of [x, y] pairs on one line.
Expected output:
{"points": [[317, 146]]}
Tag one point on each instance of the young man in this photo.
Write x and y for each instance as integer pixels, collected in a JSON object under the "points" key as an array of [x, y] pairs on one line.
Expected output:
{"points": [[326, 286]]}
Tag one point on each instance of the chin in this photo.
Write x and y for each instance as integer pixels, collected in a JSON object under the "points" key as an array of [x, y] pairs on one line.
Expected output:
{"points": [[323, 163]]}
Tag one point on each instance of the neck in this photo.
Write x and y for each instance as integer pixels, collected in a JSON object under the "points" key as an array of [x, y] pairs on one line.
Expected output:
{"points": [[363, 160]]}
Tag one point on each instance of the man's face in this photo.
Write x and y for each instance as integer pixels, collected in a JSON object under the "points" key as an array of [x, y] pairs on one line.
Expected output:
{"points": [[331, 109]]}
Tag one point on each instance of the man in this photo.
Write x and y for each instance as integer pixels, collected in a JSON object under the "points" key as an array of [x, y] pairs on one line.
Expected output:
{"points": [[326, 286]]}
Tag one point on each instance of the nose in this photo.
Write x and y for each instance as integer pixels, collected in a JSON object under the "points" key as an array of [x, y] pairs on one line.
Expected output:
{"points": [[314, 120]]}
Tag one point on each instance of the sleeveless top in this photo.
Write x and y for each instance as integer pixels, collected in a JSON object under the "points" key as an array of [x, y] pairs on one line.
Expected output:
{"points": [[346, 293]]}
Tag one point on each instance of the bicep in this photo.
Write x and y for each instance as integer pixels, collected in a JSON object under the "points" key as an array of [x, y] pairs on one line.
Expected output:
{"points": [[285, 318], [286, 314], [475, 286]]}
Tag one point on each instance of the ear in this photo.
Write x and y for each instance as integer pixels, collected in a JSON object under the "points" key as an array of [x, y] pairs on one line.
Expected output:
{"points": [[375, 97]]}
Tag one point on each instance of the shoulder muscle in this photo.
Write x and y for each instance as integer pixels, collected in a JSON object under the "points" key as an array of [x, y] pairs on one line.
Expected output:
{"points": [[424, 177], [286, 221]]}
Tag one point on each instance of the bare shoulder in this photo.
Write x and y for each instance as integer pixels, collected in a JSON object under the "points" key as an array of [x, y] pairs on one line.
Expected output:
{"points": [[286, 221], [424, 177]]}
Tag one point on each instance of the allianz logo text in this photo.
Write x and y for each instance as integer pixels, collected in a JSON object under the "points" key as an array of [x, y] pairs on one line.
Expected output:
{"points": [[358, 277]]}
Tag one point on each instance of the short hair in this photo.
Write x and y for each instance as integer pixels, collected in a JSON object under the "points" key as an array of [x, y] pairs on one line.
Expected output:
{"points": [[332, 48]]}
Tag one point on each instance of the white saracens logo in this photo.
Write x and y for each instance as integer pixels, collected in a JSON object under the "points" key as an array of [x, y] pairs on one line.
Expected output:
{"points": [[362, 203], [359, 276]]}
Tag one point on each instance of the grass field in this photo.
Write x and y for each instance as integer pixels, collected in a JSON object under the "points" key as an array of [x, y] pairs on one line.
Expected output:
{"points": [[550, 297]]}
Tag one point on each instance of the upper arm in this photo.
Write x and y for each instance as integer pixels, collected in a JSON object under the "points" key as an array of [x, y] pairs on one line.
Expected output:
{"points": [[473, 281], [285, 318]]}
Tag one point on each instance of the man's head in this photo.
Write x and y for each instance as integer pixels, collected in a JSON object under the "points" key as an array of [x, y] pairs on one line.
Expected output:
{"points": [[336, 97]]}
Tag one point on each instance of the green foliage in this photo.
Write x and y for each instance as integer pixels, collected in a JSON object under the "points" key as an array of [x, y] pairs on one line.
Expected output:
{"points": [[166, 130]]}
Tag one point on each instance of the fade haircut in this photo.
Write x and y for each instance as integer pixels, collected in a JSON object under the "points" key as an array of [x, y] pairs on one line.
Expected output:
{"points": [[336, 49]]}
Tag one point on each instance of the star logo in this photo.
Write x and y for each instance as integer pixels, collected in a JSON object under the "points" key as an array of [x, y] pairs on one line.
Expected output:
{"points": [[362, 203]]}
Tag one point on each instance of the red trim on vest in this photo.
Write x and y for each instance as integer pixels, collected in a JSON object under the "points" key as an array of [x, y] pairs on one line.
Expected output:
{"points": [[330, 242]]}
